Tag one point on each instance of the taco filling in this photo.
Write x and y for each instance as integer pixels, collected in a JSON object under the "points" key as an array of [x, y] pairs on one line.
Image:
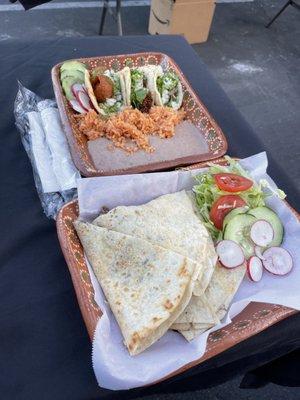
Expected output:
{"points": [[106, 91], [170, 90], [140, 96]]}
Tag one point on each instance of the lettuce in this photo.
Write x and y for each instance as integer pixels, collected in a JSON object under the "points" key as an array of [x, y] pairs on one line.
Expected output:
{"points": [[167, 81], [207, 192]]}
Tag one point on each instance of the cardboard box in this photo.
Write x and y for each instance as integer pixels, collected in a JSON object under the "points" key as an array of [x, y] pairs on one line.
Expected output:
{"points": [[191, 18]]}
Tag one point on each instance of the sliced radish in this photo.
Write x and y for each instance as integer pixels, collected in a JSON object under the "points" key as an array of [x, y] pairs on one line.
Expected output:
{"points": [[77, 107], [254, 269], [262, 233], [277, 260], [230, 253], [83, 100], [258, 252], [77, 87]]}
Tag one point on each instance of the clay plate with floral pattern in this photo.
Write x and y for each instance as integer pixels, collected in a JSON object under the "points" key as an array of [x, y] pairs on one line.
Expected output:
{"points": [[255, 318], [179, 152]]}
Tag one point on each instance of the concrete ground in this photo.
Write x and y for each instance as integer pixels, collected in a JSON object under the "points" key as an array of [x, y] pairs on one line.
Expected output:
{"points": [[257, 67]]}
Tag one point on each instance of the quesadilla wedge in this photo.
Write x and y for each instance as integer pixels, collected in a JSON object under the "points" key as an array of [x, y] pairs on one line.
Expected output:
{"points": [[223, 286], [192, 333], [198, 311], [146, 286], [168, 221]]}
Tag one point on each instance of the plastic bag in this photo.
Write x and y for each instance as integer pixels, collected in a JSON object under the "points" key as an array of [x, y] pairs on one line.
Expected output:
{"points": [[42, 137]]}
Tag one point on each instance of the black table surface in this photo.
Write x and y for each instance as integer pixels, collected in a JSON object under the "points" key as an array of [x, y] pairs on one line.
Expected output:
{"points": [[45, 352]]}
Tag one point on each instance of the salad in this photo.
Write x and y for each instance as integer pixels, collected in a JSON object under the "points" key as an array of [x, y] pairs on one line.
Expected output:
{"points": [[234, 211]]}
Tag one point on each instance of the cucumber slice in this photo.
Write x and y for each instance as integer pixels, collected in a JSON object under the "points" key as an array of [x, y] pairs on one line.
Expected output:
{"points": [[238, 229], [73, 65], [270, 216], [233, 213]]}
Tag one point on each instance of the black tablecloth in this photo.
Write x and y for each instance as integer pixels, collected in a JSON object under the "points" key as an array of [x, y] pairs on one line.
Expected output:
{"points": [[45, 352]]}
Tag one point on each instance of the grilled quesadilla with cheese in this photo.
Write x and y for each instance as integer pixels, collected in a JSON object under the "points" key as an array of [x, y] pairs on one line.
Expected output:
{"points": [[147, 286]]}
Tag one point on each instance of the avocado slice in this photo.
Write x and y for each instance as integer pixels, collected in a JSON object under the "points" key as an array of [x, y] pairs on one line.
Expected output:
{"points": [[74, 73], [71, 65], [67, 84]]}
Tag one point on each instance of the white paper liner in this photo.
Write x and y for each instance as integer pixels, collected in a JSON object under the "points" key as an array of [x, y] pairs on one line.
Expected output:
{"points": [[113, 366]]}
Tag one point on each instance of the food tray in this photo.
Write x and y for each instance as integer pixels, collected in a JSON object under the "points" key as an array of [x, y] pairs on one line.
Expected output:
{"points": [[253, 319], [169, 151]]}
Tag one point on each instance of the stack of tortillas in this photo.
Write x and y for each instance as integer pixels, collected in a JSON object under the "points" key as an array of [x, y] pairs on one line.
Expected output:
{"points": [[156, 266]]}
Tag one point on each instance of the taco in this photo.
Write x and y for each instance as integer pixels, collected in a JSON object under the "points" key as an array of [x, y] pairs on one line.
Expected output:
{"points": [[140, 87], [168, 90], [107, 90]]}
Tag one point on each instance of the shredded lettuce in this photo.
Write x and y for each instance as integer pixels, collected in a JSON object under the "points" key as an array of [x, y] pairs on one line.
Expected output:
{"points": [[207, 192], [109, 109], [138, 91], [137, 78], [168, 81]]}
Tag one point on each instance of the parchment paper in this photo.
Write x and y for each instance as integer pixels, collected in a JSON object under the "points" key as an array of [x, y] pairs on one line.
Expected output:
{"points": [[113, 366]]}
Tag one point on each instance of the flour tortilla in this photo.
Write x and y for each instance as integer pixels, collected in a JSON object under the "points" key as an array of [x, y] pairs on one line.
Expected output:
{"points": [[215, 303], [90, 91], [125, 83], [168, 221], [208, 269], [198, 311], [222, 288], [190, 326], [152, 72], [146, 286], [157, 96], [194, 332], [171, 222], [196, 318]]}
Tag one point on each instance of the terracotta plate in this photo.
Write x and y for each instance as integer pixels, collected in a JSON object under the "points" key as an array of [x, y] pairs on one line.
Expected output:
{"points": [[95, 158], [253, 319]]}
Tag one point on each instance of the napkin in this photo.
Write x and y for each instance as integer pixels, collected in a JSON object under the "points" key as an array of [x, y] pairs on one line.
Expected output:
{"points": [[41, 153], [62, 164]]}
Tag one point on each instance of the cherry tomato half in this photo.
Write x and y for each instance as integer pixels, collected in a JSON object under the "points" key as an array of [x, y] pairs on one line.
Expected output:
{"points": [[232, 182], [222, 206]]}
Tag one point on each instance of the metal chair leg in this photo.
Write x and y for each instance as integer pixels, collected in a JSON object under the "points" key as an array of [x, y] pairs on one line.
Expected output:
{"points": [[119, 20], [279, 12], [103, 16]]}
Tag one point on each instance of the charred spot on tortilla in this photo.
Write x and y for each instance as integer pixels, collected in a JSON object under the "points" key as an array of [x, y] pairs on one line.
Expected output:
{"points": [[168, 304], [183, 271], [156, 319], [134, 340], [104, 210]]}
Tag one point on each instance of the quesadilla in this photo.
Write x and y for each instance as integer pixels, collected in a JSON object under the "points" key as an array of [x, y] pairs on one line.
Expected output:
{"points": [[222, 288], [198, 311], [146, 286], [215, 303], [168, 221]]}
